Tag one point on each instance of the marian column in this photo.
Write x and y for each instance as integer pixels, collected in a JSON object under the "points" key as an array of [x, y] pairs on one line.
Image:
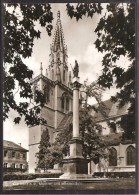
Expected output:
{"points": [[75, 166]]}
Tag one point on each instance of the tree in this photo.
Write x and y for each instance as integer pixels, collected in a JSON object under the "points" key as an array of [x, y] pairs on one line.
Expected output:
{"points": [[115, 38], [44, 155], [19, 27], [93, 146]]}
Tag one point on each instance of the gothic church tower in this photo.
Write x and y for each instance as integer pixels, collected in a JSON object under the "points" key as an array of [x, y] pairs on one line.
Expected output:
{"points": [[56, 86]]}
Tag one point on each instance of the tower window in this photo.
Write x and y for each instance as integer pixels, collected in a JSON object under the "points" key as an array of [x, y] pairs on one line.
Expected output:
{"points": [[67, 104], [47, 93], [64, 75], [112, 157], [62, 103], [130, 154], [52, 74]]}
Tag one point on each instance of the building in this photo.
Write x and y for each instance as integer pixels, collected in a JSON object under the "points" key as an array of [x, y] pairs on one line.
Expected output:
{"points": [[56, 85], [14, 157], [122, 154]]}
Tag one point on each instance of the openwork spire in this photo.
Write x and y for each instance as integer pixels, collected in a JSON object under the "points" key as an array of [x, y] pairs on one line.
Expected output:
{"points": [[58, 40]]}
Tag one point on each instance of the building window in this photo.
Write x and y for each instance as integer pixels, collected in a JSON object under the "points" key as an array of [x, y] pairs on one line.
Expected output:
{"points": [[21, 166], [5, 165], [130, 153], [9, 154], [67, 104], [112, 157], [62, 103], [64, 74], [5, 153], [13, 154], [52, 74], [47, 93], [17, 155], [24, 156], [13, 165]]}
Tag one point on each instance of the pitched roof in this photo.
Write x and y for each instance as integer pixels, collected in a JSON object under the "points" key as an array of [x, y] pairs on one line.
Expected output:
{"points": [[12, 145], [66, 121], [115, 139], [111, 110]]}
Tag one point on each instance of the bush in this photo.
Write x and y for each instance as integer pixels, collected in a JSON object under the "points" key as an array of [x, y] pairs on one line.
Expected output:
{"points": [[10, 177], [115, 174]]}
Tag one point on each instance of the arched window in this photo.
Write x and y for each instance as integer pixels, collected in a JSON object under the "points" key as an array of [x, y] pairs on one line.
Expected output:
{"points": [[130, 155], [112, 157], [67, 104]]}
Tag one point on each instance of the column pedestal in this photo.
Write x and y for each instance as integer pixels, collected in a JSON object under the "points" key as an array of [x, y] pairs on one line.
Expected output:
{"points": [[75, 166]]}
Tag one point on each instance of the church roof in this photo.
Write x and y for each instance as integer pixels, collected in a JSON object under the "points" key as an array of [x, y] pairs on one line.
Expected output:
{"points": [[12, 145], [115, 139], [110, 110], [66, 121]]}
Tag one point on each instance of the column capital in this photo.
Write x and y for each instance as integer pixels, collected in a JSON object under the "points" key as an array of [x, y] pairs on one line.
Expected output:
{"points": [[75, 83]]}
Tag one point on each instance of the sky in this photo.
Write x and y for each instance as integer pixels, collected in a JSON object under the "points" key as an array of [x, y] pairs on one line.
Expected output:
{"points": [[79, 38]]}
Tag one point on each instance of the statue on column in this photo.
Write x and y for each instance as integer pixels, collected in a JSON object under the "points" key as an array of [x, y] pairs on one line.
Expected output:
{"points": [[76, 69]]}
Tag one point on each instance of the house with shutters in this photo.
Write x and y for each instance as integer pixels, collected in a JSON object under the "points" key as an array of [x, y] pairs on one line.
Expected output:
{"points": [[14, 157]]}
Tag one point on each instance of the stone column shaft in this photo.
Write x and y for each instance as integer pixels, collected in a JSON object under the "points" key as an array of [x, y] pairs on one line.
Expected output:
{"points": [[75, 112]]}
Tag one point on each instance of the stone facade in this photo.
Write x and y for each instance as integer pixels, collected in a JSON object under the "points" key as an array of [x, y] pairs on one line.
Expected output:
{"points": [[56, 85], [122, 157]]}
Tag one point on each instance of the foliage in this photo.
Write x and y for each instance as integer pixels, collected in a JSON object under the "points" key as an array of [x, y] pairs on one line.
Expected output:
{"points": [[19, 28], [115, 38], [44, 155], [12, 176], [115, 174], [93, 146]]}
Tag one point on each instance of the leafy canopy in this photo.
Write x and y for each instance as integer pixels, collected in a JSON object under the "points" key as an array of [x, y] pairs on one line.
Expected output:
{"points": [[19, 27], [115, 38]]}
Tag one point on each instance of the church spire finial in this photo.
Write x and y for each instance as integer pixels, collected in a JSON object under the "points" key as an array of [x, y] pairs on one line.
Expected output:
{"points": [[58, 14], [41, 68]]}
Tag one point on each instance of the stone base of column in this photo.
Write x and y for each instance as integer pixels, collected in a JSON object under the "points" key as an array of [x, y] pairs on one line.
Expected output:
{"points": [[75, 166]]}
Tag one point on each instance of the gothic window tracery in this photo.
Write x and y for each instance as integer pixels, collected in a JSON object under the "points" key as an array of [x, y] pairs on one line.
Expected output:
{"points": [[130, 155], [65, 102], [112, 157]]}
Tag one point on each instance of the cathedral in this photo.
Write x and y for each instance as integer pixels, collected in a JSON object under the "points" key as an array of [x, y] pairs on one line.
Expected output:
{"points": [[56, 85]]}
